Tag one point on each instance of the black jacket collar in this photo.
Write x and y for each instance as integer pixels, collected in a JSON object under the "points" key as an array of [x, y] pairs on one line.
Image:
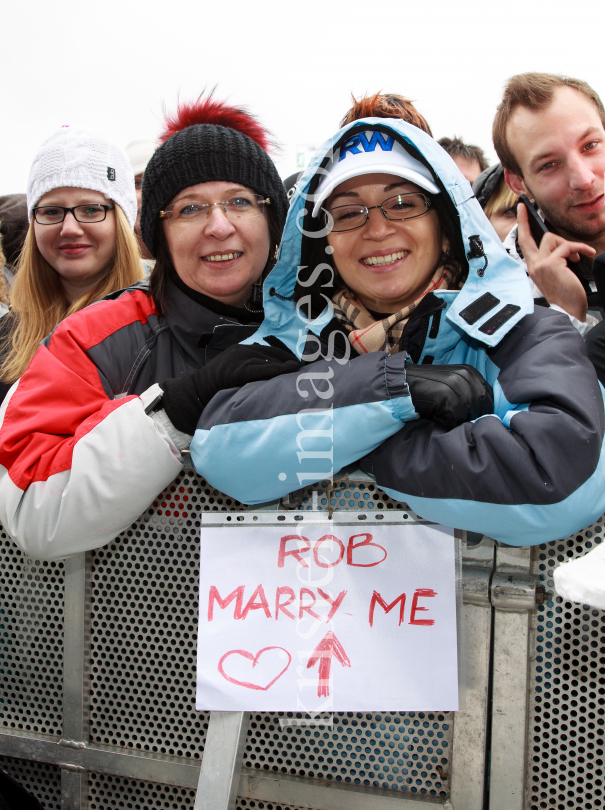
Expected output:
{"points": [[195, 326]]}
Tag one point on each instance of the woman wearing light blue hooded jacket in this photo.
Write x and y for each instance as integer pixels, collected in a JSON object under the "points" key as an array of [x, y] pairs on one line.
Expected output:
{"points": [[393, 285]]}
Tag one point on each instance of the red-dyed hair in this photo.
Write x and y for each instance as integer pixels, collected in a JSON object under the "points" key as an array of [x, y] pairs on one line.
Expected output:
{"points": [[387, 105], [208, 110]]}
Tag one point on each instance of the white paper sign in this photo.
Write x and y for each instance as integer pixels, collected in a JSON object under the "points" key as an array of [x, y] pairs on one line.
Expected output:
{"points": [[327, 617]]}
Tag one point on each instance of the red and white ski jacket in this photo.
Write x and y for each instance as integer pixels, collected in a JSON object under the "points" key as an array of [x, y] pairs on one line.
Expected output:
{"points": [[79, 458]]}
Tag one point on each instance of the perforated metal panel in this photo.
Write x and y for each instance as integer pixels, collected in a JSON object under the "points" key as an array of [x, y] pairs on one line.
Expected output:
{"points": [[115, 793], [143, 642], [142, 624], [404, 751], [31, 642], [347, 495], [41, 780], [144, 631], [565, 743]]}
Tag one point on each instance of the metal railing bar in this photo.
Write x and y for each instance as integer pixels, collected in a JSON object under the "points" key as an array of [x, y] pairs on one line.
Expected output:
{"points": [[338, 796], [472, 723], [510, 694], [222, 762], [73, 649], [145, 767]]}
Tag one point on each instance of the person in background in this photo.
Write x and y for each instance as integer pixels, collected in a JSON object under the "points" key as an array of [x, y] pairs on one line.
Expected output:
{"points": [[401, 286], [79, 246], [549, 135], [470, 159], [497, 200], [97, 424], [139, 154], [14, 225], [290, 183]]}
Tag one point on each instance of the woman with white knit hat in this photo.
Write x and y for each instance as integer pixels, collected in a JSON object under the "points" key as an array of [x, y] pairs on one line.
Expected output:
{"points": [[80, 245], [99, 422]]}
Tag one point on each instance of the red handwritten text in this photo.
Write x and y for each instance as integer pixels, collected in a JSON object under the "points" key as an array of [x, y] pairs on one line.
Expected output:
{"points": [[284, 597], [320, 559], [421, 592], [376, 597]]}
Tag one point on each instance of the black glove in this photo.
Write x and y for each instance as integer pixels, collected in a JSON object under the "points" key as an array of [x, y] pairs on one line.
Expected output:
{"points": [[185, 397], [449, 395]]}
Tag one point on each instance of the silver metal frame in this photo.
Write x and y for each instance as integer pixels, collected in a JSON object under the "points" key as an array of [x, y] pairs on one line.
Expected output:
{"points": [[510, 685], [222, 762], [498, 593]]}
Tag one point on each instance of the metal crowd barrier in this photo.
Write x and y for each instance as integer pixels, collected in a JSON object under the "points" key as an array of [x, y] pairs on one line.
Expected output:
{"points": [[97, 666]]}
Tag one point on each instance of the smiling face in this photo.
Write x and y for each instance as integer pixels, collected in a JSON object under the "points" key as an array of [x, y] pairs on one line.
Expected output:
{"points": [[387, 264], [215, 255], [79, 252], [560, 149]]}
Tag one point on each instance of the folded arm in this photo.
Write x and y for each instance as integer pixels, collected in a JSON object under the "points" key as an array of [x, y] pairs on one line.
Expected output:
{"points": [[534, 471], [266, 439]]}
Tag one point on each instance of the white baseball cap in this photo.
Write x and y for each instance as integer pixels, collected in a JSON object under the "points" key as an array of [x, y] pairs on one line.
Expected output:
{"points": [[372, 152]]}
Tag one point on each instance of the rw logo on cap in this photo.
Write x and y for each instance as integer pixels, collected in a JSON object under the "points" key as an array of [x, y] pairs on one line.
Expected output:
{"points": [[111, 173], [359, 143]]}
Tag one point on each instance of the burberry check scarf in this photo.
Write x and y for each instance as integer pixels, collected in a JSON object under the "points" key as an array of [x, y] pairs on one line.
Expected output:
{"points": [[366, 334]]}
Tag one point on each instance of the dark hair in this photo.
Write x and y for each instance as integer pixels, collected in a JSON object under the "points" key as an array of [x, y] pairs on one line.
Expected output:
{"points": [[313, 249], [455, 147], [387, 105], [164, 266], [534, 91]]}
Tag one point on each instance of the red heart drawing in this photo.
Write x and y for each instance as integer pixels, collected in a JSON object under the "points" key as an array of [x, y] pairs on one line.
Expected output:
{"points": [[254, 659]]}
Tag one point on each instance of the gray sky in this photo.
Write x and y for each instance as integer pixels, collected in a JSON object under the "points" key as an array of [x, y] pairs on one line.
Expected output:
{"points": [[110, 65]]}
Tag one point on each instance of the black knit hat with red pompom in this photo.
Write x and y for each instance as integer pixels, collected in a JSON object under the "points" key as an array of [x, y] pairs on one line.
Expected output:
{"points": [[204, 141]]}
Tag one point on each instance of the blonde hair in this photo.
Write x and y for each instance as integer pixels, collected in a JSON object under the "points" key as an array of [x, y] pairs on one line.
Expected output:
{"points": [[39, 301], [502, 198], [3, 284]]}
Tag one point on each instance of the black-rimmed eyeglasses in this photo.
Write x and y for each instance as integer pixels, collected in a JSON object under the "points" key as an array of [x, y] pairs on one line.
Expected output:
{"points": [[53, 214], [401, 206]]}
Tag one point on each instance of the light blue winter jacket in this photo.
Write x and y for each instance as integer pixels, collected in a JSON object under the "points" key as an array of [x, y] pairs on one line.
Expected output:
{"points": [[531, 472]]}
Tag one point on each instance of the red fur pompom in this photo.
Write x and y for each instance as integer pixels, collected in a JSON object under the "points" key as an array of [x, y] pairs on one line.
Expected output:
{"points": [[210, 111]]}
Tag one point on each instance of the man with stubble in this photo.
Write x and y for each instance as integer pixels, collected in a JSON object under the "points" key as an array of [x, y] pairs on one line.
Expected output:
{"points": [[549, 134]]}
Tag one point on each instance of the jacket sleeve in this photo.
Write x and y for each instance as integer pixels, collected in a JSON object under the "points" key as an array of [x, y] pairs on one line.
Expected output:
{"points": [[267, 439], [76, 468], [531, 473]]}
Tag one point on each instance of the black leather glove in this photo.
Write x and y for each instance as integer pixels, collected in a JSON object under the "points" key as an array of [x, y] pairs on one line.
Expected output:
{"points": [[449, 395], [185, 397]]}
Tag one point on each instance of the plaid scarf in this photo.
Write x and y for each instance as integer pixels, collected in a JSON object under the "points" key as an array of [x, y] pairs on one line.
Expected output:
{"points": [[366, 334]]}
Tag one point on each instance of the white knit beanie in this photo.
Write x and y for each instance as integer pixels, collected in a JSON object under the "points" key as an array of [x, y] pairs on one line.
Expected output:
{"points": [[76, 158]]}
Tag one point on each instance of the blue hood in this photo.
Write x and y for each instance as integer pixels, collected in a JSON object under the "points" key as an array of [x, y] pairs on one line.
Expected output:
{"points": [[504, 278]]}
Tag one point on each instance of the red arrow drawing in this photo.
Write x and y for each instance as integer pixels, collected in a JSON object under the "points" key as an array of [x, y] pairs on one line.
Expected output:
{"points": [[329, 646]]}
